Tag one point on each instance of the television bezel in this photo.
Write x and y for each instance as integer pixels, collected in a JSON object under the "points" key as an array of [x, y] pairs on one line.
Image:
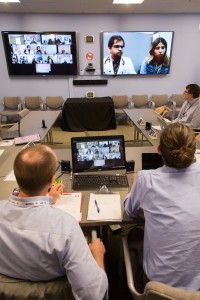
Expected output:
{"points": [[71, 69]]}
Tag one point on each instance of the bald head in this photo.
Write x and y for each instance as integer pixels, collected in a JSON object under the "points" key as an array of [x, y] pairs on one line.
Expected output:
{"points": [[34, 168]]}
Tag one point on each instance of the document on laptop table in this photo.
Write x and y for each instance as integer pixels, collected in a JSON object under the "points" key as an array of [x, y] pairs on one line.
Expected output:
{"points": [[104, 207], [70, 203], [156, 127], [197, 155], [28, 138], [5, 143], [10, 176]]}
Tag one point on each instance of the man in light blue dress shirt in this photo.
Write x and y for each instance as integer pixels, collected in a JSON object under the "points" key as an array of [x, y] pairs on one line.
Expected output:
{"points": [[190, 110], [39, 242], [169, 198]]}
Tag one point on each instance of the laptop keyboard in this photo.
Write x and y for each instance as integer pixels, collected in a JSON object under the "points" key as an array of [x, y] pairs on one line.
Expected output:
{"points": [[91, 182]]}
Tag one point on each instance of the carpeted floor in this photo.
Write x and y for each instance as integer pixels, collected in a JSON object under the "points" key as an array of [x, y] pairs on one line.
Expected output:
{"points": [[63, 138]]}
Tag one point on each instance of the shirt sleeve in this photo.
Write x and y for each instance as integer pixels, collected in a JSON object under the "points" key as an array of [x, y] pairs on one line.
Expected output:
{"points": [[87, 279], [132, 201], [195, 122]]}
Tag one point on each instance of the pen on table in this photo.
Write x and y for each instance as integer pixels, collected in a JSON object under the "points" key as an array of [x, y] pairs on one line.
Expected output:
{"points": [[97, 207]]}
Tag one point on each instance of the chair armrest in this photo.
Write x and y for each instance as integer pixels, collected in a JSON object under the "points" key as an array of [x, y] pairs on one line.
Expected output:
{"points": [[173, 103], [130, 104], [172, 106], [152, 105], [42, 106], [129, 273], [20, 107], [7, 125]]}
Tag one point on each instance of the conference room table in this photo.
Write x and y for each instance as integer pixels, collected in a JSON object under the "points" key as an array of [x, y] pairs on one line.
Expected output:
{"points": [[84, 114], [148, 115], [32, 123], [132, 153]]}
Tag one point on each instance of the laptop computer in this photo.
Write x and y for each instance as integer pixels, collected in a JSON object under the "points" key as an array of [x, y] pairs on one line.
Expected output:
{"points": [[98, 155], [151, 161]]}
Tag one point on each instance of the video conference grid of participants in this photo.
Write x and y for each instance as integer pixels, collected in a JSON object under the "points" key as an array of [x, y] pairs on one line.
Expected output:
{"points": [[98, 151], [41, 48]]}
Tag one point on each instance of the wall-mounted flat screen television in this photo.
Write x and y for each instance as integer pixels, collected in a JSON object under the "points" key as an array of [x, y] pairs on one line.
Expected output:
{"points": [[41, 53], [136, 52]]}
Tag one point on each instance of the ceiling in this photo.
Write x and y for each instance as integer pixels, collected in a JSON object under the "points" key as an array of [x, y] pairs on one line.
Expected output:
{"points": [[101, 7]]}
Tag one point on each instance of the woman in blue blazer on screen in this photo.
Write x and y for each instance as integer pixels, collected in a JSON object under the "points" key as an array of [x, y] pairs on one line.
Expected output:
{"points": [[158, 62]]}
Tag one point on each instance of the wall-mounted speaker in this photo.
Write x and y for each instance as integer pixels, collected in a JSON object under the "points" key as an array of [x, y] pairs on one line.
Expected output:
{"points": [[130, 166], [89, 38], [90, 95], [90, 82]]}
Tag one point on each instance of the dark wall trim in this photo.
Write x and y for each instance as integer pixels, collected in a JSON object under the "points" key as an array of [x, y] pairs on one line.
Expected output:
{"points": [[90, 82]]}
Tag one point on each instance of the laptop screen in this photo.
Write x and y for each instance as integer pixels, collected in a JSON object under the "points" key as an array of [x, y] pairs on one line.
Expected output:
{"points": [[151, 161], [94, 153]]}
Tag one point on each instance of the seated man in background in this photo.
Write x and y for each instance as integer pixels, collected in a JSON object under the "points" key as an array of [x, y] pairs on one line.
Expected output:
{"points": [[190, 110], [40, 242], [169, 197]]}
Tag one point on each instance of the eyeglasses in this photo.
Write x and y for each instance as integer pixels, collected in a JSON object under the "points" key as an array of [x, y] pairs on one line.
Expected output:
{"points": [[118, 46], [186, 92]]}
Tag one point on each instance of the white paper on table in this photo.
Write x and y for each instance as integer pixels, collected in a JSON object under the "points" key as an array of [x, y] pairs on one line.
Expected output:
{"points": [[6, 143], [109, 206], [157, 127], [10, 176], [197, 156], [70, 203], [1, 152]]}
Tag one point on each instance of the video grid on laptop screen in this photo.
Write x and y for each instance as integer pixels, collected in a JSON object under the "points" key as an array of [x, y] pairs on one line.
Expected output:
{"points": [[98, 153]]}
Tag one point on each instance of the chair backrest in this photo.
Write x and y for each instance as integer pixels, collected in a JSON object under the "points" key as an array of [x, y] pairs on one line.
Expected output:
{"points": [[34, 103], [12, 103], [139, 101], [120, 101], [178, 99], [18, 289], [23, 113], [159, 100], [154, 290], [54, 102]]}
